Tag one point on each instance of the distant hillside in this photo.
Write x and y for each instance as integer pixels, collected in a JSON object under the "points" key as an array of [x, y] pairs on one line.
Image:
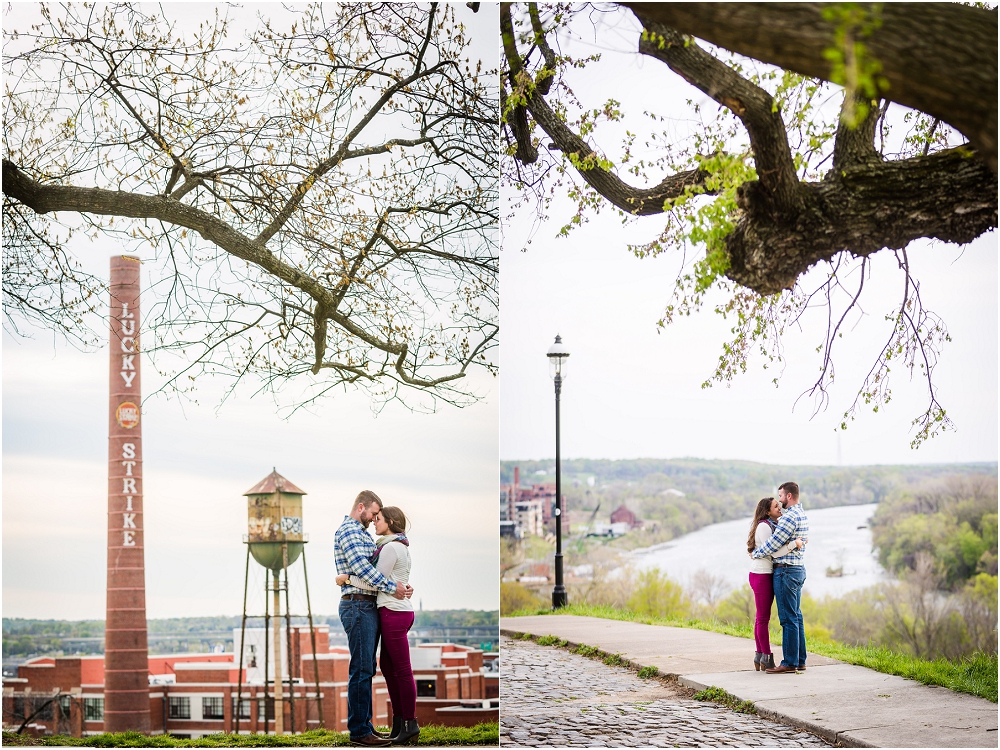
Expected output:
{"points": [[682, 495], [822, 486]]}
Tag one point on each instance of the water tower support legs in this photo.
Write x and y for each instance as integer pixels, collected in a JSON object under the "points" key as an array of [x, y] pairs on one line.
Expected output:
{"points": [[267, 656], [312, 635], [279, 677], [243, 630], [288, 638]]}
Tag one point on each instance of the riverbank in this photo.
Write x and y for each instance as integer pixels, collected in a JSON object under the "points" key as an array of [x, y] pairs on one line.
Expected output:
{"points": [[840, 539], [844, 703]]}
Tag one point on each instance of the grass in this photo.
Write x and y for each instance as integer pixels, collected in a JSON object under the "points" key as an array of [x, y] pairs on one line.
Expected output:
{"points": [[649, 672], [551, 640], [481, 734], [615, 660], [718, 695], [976, 675]]}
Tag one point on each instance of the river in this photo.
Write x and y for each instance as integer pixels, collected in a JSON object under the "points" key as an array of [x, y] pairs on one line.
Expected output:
{"points": [[834, 541]]}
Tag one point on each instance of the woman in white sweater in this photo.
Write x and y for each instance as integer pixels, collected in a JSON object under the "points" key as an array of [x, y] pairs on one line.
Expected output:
{"points": [[767, 513], [392, 558]]}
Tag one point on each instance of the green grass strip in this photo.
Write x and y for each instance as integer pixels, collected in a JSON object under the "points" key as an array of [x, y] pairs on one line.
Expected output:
{"points": [[481, 734], [551, 640], [976, 675], [615, 660], [718, 695]]}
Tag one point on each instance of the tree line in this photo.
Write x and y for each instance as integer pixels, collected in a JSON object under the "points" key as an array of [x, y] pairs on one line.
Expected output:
{"points": [[952, 522], [23, 637]]}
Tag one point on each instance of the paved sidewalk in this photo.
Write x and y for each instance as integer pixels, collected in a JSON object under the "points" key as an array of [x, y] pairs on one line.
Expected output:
{"points": [[594, 705], [847, 705]]}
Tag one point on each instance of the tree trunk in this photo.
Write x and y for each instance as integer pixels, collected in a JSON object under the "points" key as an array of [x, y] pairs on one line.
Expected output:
{"points": [[939, 58], [950, 196]]}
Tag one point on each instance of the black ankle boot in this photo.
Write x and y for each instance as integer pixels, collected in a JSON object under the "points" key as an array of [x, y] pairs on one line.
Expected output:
{"points": [[767, 661], [397, 727], [408, 734], [757, 656]]}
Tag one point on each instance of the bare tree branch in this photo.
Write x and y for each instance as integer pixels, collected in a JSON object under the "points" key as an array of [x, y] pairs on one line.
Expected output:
{"points": [[322, 194]]}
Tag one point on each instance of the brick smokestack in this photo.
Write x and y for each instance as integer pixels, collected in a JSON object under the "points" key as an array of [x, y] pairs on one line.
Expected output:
{"points": [[512, 496], [126, 660]]}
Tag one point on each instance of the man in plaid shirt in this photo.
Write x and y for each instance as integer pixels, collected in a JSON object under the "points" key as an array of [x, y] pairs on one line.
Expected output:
{"points": [[352, 551], [789, 577]]}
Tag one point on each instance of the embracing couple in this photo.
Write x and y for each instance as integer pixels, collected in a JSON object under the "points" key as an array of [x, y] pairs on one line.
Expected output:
{"points": [[374, 603], [778, 535]]}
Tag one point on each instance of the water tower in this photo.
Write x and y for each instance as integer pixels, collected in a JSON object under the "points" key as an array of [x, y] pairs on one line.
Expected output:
{"points": [[275, 540]]}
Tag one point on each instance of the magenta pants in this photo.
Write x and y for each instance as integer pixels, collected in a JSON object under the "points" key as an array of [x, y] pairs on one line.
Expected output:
{"points": [[394, 661], [763, 595]]}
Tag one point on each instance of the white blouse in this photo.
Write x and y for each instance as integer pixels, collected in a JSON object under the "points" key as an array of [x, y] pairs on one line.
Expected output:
{"points": [[394, 564], [763, 564]]}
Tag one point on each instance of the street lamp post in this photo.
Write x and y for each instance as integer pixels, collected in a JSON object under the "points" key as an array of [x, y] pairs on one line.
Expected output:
{"points": [[557, 355]]}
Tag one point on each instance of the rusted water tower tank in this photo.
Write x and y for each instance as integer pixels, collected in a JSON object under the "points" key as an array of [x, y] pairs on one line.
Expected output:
{"points": [[274, 518]]}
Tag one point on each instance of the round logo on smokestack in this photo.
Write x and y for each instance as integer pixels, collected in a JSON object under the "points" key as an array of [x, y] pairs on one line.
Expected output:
{"points": [[127, 415]]}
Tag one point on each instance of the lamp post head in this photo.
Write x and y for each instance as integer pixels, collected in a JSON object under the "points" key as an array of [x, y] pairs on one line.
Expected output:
{"points": [[557, 354]]}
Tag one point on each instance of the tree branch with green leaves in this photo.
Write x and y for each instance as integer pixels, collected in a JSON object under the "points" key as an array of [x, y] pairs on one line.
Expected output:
{"points": [[772, 188]]}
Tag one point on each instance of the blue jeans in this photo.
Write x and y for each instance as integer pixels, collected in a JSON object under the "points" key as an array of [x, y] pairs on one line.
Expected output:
{"points": [[360, 620], [788, 584]]}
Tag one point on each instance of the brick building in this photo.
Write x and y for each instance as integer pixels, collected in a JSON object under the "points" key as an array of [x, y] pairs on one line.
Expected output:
{"points": [[530, 509], [192, 695], [624, 514]]}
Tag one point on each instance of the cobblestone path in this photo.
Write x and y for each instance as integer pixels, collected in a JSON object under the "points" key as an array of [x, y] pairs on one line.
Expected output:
{"points": [[552, 697]]}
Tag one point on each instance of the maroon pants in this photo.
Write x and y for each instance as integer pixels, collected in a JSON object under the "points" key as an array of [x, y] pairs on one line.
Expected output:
{"points": [[394, 661], [763, 595]]}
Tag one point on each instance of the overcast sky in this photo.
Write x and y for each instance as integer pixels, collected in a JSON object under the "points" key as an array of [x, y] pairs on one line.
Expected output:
{"points": [[633, 391], [199, 460]]}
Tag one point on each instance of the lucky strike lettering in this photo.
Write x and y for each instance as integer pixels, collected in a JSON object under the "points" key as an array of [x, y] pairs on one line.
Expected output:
{"points": [[127, 415], [128, 486], [129, 345]]}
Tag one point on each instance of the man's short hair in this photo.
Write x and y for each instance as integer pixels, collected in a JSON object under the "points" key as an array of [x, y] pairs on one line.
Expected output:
{"points": [[790, 488], [366, 498]]}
